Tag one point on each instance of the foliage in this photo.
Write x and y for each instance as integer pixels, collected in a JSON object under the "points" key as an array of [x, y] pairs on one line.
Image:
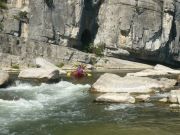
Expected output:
{"points": [[22, 16], [60, 65], [3, 4], [15, 66], [97, 50]]}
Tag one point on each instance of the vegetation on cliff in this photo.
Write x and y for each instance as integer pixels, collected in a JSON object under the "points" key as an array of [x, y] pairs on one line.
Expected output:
{"points": [[3, 4]]}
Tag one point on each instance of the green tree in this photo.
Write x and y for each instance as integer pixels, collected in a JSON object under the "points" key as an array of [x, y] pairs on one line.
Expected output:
{"points": [[3, 4]]}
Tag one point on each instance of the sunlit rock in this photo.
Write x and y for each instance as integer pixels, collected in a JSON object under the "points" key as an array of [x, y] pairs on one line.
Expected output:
{"points": [[114, 83]]}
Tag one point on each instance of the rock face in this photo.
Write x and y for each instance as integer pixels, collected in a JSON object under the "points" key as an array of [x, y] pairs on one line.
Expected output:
{"points": [[39, 74], [110, 83], [145, 29], [4, 78], [116, 98]]}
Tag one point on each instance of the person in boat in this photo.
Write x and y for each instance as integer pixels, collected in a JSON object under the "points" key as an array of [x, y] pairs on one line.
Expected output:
{"points": [[79, 73]]}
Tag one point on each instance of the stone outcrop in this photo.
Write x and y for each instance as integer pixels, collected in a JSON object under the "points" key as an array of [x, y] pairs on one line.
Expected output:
{"points": [[147, 29], [174, 96], [111, 83], [40, 74], [4, 78], [158, 70]]}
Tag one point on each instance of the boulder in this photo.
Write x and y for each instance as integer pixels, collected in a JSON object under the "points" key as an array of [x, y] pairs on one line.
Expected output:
{"points": [[167, 83], [116, 98], [39, 74], [174, 96], [111, 83], [4, 78], [163, 100], [166, 69], [143, 97], [42, 63]]}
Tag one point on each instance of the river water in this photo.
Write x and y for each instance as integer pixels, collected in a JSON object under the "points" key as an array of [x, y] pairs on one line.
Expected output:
{"points": [[67, 108]]}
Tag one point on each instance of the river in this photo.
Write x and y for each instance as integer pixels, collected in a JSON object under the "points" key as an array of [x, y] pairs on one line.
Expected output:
{"points": [[67, 108]]}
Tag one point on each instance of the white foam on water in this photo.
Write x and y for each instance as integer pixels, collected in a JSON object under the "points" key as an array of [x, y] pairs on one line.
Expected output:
{"points": [[114, 107], [40, 98]]}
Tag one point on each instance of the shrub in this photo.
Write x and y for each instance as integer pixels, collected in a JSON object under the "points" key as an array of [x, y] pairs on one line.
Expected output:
{"points": [[97, 50], [22, 16], [3, 4], [60, 65], [15, 66]]}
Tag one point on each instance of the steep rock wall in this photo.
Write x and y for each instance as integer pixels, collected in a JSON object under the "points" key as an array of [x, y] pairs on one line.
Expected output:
{"points": [[146, 29]]}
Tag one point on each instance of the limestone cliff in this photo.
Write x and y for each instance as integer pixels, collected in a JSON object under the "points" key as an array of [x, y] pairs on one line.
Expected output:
{"points": [[145, 29]]}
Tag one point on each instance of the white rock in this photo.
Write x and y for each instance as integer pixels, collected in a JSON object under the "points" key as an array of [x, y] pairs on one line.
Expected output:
{"points": [[174, 105], [148, 72], [166, 69], [163, 100], [110, 83], [116, 98], [174, 96], [143, 97], [114, 63], [42, 63], [39, 73], [4, 77]]}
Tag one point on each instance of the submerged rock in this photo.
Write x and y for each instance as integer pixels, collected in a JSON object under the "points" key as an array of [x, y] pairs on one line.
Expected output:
{"points": [[4, 77], [39, 74], [116, 98], [42, 63], [113, 83]]}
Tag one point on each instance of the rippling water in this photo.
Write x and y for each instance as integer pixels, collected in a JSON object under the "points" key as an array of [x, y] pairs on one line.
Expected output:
{"points": [[68, 109]]}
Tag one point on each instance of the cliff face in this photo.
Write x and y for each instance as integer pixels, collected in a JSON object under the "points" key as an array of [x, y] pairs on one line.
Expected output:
{"points": [[146, 29]]}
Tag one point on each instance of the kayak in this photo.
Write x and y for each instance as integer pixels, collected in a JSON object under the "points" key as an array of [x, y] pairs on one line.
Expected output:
{"points": [[77, 75]]}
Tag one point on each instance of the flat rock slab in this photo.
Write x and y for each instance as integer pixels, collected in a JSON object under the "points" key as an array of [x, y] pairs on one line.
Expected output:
{"points": [[158, 70], [116, 98], [148, 72], [4, 77], [113, 63], [39, 73], [111, 83]]}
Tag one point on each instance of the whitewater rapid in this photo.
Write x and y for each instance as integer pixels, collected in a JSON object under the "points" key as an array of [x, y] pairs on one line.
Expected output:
{"points": [[28, 102]]}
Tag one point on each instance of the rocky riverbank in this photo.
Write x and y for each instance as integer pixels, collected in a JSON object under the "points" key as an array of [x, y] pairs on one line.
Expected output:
{"points": [[144, 83]]}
